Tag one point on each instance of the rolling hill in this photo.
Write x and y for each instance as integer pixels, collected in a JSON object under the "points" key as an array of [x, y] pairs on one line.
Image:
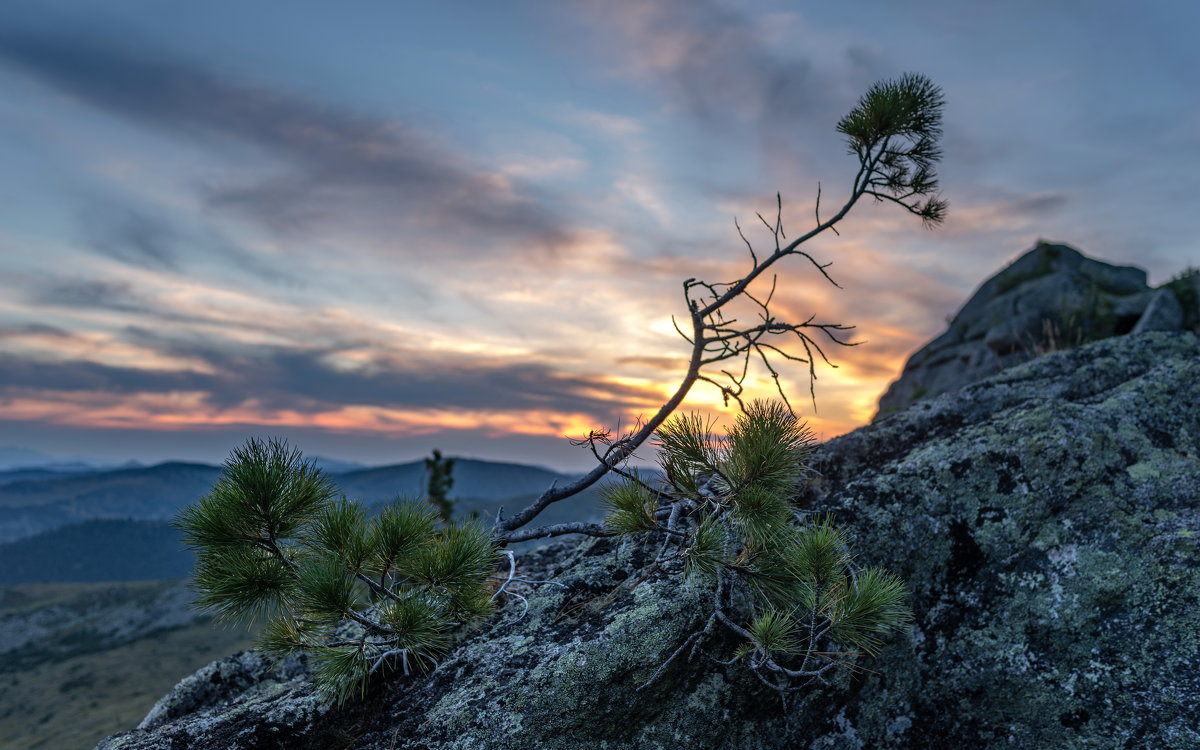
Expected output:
{"points": [[99, 550], [113, 525], [32, 505], [473, 479]]}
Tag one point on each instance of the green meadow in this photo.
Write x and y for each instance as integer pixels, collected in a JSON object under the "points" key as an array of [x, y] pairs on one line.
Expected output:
{"points": [[79, 689]]}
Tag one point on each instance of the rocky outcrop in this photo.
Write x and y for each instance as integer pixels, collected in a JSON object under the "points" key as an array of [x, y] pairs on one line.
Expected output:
{"points": [[1050, 298], [1047, 521]]}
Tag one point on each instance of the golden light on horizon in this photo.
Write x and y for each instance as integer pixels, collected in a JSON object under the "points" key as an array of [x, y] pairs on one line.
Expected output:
{"points": [[618, 401], [184, 410]]}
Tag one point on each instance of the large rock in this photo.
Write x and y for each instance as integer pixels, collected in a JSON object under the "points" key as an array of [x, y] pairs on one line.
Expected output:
{"points": [[1047, 521], [1050, 298], [1185, 286]]}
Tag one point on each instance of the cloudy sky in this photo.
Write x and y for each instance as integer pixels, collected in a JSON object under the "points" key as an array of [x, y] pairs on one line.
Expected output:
{"points": [[377, 228]]}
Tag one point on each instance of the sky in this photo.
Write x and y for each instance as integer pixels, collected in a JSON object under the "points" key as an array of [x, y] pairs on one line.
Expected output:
{"points": [[379, 228]]}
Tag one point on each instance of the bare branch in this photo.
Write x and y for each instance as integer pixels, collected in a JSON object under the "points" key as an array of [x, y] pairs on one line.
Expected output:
{"points": [[558, 529], [893, 132], [749, 247]]}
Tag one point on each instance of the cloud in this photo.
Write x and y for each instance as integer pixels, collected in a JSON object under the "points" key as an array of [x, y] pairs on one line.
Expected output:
{"points": [[670, 364], [1003, 215], [711, 61], [337, 165], [606, 123], [133, 237], [315, 380], [92, 294], [211, 300], [212, 442], [34, 330], [722, 67], [1039, 205], [147, 237], [21, 375]]}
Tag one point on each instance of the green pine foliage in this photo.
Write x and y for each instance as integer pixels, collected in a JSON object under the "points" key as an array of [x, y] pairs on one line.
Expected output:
{"points": [[439, 480], [705, 554], [776, 632], [788, 587], [631, 508], [895, 128], [362, 596]]}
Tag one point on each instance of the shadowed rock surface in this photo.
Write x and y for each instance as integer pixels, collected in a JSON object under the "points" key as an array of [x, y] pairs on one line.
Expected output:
{"points": [[1052, 297], [1047, 521]]}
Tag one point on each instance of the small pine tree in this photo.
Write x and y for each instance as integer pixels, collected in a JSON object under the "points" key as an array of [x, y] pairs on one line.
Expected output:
{"points": [[894, 131], [359, 595], [788, 588], [438, 483]]}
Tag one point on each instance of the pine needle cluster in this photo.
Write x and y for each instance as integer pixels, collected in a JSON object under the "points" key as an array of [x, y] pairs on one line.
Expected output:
{"points": [[894, 129], [274, 540], [786, 586]]}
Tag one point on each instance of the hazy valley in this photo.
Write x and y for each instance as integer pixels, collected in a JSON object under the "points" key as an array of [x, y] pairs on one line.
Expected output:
{"points": [[95, 617]]}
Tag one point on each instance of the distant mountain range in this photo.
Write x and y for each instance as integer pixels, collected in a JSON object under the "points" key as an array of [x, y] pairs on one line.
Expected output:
{"points": [[30, 506], [15, 459], [12, 457], [50, 471], [113, 524], [23, 463], [97, 551], [32, 501]]}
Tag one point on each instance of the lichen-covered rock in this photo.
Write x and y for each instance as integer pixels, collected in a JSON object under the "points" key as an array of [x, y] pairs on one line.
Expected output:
{"points": [[1052, 297], [1162, 313], [1185, 287], [1047, 521], [247, 678]]}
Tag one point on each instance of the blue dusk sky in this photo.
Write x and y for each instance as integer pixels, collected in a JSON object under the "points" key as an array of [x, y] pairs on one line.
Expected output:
{"points": [[376, 228]]}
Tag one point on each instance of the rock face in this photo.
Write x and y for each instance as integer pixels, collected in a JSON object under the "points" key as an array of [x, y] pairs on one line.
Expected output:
{"points": [[1047, 521], [1051, 298]]}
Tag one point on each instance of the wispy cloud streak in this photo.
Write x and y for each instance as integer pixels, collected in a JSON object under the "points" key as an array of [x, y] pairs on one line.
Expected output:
{"points": [[337, 164], [312, 381]]}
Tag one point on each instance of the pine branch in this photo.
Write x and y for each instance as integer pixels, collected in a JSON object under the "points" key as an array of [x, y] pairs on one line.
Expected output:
{"points": [[893, 130]]}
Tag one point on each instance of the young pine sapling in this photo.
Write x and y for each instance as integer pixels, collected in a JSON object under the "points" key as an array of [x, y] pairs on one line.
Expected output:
{"points": [[786, 586], [438, 481], [361, 596]]}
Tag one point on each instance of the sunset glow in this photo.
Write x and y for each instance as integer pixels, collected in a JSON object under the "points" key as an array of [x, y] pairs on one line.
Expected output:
{"points": [[383, 232]]}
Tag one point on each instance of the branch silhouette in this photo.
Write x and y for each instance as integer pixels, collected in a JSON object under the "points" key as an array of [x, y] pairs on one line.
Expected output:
{"points": [[893, 131]]}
